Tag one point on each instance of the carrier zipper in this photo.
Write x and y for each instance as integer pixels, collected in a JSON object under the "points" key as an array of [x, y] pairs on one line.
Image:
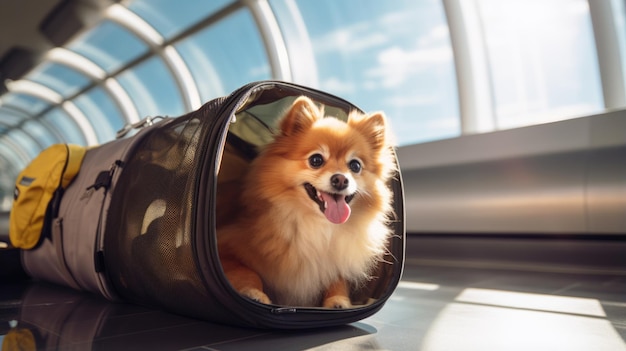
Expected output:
{"points": [[103, 180], [283, 310]]}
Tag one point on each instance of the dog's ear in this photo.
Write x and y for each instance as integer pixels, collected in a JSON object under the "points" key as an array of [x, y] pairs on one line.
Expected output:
{"points": [[300, 116], [373, 127]]}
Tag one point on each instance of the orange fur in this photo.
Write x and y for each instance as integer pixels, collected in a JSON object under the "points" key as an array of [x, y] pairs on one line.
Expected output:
{"points": [[282, 248]]}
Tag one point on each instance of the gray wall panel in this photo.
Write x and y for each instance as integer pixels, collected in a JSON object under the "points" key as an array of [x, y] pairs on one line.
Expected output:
{"points": [[567, 177], [606, 190]]}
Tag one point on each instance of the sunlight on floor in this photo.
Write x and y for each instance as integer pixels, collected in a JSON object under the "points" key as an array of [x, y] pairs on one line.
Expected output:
{"points": [[417, 286], [521, 321], [537, 302]]}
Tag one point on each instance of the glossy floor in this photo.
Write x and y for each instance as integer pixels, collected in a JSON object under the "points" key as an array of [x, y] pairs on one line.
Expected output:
{"points": [[434, 308]]}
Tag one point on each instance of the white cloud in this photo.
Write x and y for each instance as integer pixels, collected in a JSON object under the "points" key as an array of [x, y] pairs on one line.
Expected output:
{"points": [[390, 20], [353, 39], [400, 52], [411, 100], [437, 36], [396, 65], [260, 71], [337, 86]]}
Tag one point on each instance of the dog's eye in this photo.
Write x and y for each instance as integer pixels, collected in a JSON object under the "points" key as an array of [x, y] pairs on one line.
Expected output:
{"points": [[316, 160], [355, 166]]}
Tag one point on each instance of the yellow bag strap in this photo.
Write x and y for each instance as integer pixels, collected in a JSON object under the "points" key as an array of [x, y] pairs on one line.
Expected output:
{"points": [[76, 153]]}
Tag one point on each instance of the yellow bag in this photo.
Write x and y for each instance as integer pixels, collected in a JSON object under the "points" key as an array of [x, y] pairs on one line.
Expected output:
{"points": [[19, 339], [43, 180]]}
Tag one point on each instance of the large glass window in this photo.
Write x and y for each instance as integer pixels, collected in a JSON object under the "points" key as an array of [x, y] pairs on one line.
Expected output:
{"points": [[9, 164], [109, 45], [41, 133], [102, 112], [27, 142], [26, 103], [152, 89], [226, 55], [172, 17], [66, 124], [542, 60], [393, 56], [620, 23], [59, 78], [10, 116]]}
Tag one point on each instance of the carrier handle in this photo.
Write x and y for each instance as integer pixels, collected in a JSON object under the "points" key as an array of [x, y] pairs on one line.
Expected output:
{"points": [[144, 122]]}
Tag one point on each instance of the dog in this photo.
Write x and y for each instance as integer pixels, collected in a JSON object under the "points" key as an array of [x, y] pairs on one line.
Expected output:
{"points": [[313, 212]]}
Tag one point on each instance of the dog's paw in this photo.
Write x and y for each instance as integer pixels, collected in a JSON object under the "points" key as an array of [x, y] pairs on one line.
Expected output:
{"points": [[337, 302], [256, 295]]}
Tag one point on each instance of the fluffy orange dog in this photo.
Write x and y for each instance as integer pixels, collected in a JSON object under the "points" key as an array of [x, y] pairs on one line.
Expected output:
{"points": [[314, 208]]}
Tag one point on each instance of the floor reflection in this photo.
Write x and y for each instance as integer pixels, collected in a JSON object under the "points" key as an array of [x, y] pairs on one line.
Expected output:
{"points": [[434, 308], [44, 316]]}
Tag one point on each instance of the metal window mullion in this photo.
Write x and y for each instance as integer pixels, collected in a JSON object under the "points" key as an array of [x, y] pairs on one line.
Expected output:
{"points": [[10, 159], [54, 130], [82, 121], [122, 99], [610, 58], [183, 77], [32, 137], [47, 94], [272, 38], [175, 64], [96, 73], [298, 44], [35, 140], [471, 65], [19, 152]]}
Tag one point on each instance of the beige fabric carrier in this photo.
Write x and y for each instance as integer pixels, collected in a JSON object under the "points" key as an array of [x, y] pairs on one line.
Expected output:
{"points": [[138, 222]]}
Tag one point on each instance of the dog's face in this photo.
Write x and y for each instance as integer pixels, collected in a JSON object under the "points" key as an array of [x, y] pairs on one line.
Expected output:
{"points": [[325, 165]]}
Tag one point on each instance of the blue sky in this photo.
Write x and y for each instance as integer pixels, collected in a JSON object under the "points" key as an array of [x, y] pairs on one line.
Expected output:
{"points": [[390, 56]]}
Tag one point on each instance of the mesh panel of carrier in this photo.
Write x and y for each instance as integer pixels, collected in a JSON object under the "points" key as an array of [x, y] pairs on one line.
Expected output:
{"points": [[148, 237]]}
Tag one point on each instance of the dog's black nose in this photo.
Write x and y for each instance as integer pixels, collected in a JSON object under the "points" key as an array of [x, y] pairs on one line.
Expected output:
{"points": [[339, 181]]}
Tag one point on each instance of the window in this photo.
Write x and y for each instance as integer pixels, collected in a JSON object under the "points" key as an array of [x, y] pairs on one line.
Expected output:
{"points": [[59, 78], [225, 56], [27, 142], [542, 60], [620, 23], [102, 112], [172, 17], [393, 56], [10, 117], [26, 103], [65, 123], [152, 89], [109, 46], [41, 133]]}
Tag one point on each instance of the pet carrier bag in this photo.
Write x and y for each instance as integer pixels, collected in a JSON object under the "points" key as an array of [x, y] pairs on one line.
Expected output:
{"points": [[139, 221]]}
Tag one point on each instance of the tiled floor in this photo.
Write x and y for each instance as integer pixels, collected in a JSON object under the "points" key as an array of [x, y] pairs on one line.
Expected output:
{"points": [[434, 308]]}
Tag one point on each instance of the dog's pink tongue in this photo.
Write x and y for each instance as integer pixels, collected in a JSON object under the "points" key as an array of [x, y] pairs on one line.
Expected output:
{"points": [[337, 209]]}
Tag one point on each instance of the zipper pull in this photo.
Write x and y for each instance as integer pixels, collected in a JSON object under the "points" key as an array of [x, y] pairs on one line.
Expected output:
{"points": [[283, 310]]}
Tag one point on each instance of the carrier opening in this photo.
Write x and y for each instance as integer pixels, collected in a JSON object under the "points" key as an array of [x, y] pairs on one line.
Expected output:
{"points": [[263, 195]]}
